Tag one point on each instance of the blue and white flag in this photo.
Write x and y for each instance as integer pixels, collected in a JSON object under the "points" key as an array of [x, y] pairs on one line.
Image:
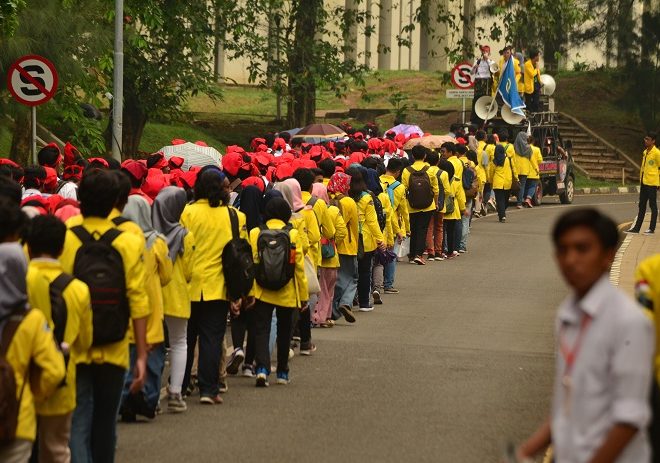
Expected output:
{"points": [[508, 88]]}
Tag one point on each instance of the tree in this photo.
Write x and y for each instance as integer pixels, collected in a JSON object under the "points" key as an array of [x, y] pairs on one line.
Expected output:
{"points": [[168, 52], [9, 16]]}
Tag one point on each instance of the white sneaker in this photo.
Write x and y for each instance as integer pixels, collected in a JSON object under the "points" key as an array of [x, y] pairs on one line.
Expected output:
{"points": [[366, 309]]}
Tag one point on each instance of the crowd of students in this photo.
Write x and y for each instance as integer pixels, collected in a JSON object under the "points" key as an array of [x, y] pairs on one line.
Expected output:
{"points": [[126, 265]]}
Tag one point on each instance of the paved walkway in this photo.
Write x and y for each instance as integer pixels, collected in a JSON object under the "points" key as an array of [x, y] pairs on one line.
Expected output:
{"points": [[635, 249]]}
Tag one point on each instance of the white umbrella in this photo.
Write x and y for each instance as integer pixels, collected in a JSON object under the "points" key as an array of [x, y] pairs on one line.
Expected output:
{"points": [[193, 155]]}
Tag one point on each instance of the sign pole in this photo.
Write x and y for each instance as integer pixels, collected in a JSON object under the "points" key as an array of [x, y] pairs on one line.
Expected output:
{"points": [[463, 112], [34, 135], [118, 82]]}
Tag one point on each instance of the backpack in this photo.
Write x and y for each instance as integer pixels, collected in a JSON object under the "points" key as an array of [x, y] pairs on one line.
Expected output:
{"points": [[420, 192], [237, 262], [119, 220], [469, 180], [9, 404], [277, 258], [390, 191], [58, 310], [441, 190], [380, 211], [101, 267]]}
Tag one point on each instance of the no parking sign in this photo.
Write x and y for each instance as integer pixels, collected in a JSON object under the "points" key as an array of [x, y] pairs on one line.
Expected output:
{"points": [[32, 80], [461, 76]]}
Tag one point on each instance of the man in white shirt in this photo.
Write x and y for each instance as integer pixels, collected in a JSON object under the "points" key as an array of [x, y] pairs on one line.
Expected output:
{"points": [[600, 407], [483, 79]]}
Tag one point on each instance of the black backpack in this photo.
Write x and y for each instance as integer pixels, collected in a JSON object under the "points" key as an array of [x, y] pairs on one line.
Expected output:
{"points": [[237, 262], [380, 211], [120, 220], [420, 191], [58, 312], [277, 263], [101, 267], [441, 191]]}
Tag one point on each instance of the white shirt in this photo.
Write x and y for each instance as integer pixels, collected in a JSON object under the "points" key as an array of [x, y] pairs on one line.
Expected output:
{"points": [[32, 192], [69, 190], [610, 378], [481, 68]]}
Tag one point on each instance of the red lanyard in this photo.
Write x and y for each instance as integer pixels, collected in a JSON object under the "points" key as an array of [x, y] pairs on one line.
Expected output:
{"points": [[571, 354]]}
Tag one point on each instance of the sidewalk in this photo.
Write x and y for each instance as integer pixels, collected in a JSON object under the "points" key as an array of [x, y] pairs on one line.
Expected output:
{"points": [[635, 249]]}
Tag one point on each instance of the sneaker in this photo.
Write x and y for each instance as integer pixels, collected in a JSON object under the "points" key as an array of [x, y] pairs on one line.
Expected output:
{"points": [[412, 261], [248, 371], [462, 251], [503, 220], [262, 377], [376, 296], [283, 378], [528, 203], [518, 206], [307, 349], [366, 309], [222, 387], [391, 291], [649, 232], [419, 260], [176, 404], [632, 230], [292, 353], [440, 257], [235, 360], [430, 257], [347, 313], [208, 400]]}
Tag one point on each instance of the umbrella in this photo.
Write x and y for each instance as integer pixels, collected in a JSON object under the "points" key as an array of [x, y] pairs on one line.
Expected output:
{"points": [[193, 155], [292, 132], [407, 130], [432, 141], [321, 131]]}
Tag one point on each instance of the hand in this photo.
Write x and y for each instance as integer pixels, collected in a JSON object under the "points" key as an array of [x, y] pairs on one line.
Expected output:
{"points": [[248, 302], [465, 213], [399, 237], [304, 305], [235, 307], [381, 245], [139, 374], [150, 347]]}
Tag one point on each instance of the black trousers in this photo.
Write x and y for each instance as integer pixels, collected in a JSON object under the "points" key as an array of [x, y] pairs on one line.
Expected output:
{"points": [[263, 315], [654, 428], [419, 224], [502, 200], [240, 326], [365, 270], [208, 322], [532, 101], [450, 226], [647, 194]]}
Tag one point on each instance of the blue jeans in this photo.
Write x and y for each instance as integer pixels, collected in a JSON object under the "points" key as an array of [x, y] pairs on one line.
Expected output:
{"points": [[523, 188], [93, 426], [389, 271], [346, 286], [458, 235], [530, 188], [155, 366], [465, 226]]}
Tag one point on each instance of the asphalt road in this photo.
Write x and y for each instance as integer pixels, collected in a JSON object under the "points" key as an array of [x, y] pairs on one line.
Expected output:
{"points": [[449, 370]]}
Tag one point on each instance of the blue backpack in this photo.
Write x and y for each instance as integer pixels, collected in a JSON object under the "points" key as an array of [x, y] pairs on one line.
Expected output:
{"points": [[390, 191]]}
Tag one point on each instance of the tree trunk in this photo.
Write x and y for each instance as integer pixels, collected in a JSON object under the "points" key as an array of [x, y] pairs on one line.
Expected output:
{"points": [[301, 108], [134, 121], [609, 34], [21, 146], [625, 33]]}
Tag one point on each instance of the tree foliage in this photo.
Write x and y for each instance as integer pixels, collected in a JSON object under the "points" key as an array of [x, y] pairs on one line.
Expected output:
{"points": [[9, 10]]}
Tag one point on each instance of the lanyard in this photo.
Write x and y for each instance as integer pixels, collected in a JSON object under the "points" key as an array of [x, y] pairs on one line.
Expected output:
{"points": [[570, 354]]}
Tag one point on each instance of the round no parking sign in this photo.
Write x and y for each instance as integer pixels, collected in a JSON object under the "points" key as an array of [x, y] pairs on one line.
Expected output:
{"points": [[32, 80]]}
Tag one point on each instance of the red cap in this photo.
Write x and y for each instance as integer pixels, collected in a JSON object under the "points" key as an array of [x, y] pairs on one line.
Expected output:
{"points": [[154, 182], [284, 171], [72, 172], [461, 141], [8, 162], [100, 161], [175, 162], [188, 179], [178, 141], [71, 153], [484, 49], [50, 183], [254, 181], [232, 162], [279, 144], [201, 143], [358, 136], [137, 169]]}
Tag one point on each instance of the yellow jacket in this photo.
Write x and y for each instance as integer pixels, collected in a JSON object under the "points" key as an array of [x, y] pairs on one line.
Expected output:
{"points": [[77, 333], [371, 233], [490, 149], [349, 213], [158, 271], [405, 179], [325, 226], [502, 176], [214, 226], [130, 248], [295, 290], [649, 174], [33, 347], [458, 193], [341, 232], [481, 146], [388, 233], [458, 167], [400, 205], [531, 71], [446, 186], [647, 288], [176, 300], [534, 161], [522, 163], [516, 70]]}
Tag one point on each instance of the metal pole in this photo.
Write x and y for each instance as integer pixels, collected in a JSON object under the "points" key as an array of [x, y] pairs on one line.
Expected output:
{"points": [[277, 57], [463, 112], [34, 135], [118, 82]]}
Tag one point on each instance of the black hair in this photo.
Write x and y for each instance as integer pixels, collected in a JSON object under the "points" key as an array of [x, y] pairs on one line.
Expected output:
{"points": [[13, 219], [395, 165], [503, 136], [447, 167], [10, 189], [454, 128], [602, 226], [480, 135], [286, 136], [432, 158], [358, 182], [48, 156], [533, 54], [652, 135], [113, 164], [210, 185], [460, 149], [328, 166], [370, 163], [277, 208], [153, 159], [357, 145], [270, 139], [449, 146], [305, 178], [34, 177], [316, 171], [419, 152], [97, 193], [472, 156], [490, 140], [124, 187], [45, 236]]}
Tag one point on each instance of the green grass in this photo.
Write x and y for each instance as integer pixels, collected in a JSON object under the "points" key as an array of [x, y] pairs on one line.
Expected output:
{"points": [[5, 141], [157, 134], [581, 181]]}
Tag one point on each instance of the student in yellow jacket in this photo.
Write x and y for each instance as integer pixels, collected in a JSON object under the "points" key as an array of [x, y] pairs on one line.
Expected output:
{"points": [[435, 233], [45, 241], [522, 163], [338, 188], [27, 341], [369, 234], [534, 176], [292, 296], [502, 173], [532, 82], [158, 273], [390, 181], [649, 178], [419, 218], [328, 270], [100, 373], [209, 220], [166, 214]]}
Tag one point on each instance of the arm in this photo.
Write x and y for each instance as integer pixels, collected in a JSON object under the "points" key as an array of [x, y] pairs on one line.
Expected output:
{"points": [[83, 337], [47, 363], [371, 220], [163, 261], [341, 232], [140, 336], [615, 442], [403, 209], [327, 225], [313, 231], [536, 443], [188, 257], [299, 274], [460, 197]]}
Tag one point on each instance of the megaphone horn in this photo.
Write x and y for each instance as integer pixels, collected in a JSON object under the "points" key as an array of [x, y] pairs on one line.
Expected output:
{"points": [[510, 117], [485, 107], [549, 84], [494, 68]]}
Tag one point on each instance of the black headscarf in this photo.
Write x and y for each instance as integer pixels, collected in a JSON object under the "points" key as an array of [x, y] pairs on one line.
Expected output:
{"points": [[278, 208], [500, 155], [251, 198], [373, 183], [270, 195]]}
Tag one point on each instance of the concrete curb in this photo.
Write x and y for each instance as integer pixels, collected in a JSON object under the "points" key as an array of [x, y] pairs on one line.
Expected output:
{"points": [[607, 190]]}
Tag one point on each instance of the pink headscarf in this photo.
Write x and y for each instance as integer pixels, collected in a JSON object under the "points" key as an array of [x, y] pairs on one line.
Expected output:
{"points": [[320, 191], [290, 189]]}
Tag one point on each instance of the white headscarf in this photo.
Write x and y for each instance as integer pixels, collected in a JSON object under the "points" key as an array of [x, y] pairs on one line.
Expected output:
{"points": [[13, 289], [138, 210]]}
